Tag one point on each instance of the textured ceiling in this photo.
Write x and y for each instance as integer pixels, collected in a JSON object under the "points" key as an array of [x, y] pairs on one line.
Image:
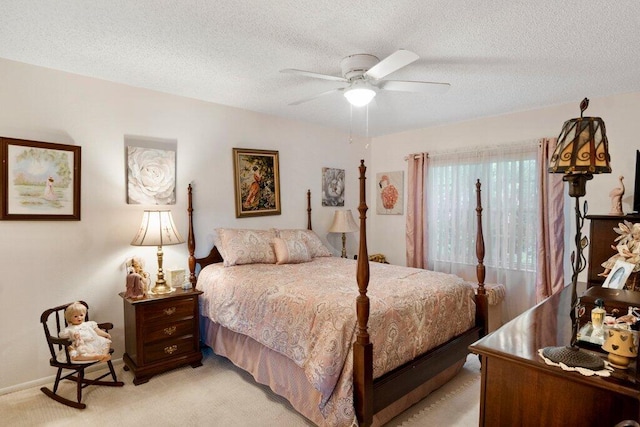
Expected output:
{"points": [[499, 56]]}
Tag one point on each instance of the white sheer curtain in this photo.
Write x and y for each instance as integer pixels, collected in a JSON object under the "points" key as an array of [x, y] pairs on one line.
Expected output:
{"points": [[508, 174]]}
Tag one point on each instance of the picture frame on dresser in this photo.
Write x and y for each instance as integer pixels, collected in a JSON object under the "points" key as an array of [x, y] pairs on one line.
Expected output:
{"points": [[619, 274], [40, 180]]}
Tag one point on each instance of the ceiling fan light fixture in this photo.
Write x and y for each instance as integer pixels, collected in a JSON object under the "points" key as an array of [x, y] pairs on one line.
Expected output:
{"points": [[359, 95]]}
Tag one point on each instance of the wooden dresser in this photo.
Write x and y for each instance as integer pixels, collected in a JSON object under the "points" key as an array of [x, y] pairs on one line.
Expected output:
{"points": [[519, 389], [161, 333]]}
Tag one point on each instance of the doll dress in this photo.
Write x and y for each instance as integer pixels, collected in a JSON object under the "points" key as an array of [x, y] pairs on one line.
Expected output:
{"points": [[89, 343]]}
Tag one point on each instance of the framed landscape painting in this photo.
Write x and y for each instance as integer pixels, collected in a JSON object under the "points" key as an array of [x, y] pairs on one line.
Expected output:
{"points": [[40, 180], [257, 182]]}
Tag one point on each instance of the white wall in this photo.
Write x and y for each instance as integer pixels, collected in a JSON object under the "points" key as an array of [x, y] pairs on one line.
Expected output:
{"points": [[387, 233], [47, 263]]}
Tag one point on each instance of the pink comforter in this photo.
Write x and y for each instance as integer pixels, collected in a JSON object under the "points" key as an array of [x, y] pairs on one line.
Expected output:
{"points": [[307, 313]]}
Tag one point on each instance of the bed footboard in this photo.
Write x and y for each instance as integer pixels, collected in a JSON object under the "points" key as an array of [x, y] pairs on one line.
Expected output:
{"points": [[369, 396]]}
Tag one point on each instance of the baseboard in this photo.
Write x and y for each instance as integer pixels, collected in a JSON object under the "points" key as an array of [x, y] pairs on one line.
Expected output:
{"points": [[49, 379]]}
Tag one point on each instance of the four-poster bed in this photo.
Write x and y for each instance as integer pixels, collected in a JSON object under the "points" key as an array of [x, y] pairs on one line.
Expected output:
{"points": [[320, 389]]}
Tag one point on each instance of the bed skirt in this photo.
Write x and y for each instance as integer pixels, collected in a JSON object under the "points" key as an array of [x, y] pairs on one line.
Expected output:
{"points": [[288, 380]]}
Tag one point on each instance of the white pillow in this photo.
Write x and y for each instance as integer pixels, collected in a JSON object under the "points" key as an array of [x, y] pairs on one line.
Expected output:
{"points": [[313, 242], [290, 251], [241, 246]]}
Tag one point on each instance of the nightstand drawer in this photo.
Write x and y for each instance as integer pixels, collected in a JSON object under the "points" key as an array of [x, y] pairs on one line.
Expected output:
{"points": [[162, 331], [168, 349], [169, 310]]}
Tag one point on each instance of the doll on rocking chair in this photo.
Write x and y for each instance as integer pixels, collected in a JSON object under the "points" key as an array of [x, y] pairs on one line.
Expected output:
{"points": [[88, 342]]}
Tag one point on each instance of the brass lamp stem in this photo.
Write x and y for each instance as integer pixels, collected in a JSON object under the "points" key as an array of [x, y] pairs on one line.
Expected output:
{"points": [[160, 280], [161, 286], [344, 243]]}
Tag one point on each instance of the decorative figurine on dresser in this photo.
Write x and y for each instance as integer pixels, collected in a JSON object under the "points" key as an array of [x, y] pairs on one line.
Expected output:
{"points": [[161, 333]]}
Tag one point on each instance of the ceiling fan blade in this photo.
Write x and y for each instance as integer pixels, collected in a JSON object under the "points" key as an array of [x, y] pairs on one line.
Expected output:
{"points": [[431, 88], [313, 75], [318, 95], [391, 63]]}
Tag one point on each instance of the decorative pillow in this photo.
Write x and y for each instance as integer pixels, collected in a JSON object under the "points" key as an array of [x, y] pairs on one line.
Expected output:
{"points": [[291, 251], [240, 246], [315, 245]]}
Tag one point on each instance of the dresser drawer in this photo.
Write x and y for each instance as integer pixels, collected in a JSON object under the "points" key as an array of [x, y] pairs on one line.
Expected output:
{"points": [[167, 349], [160, 331], [169, 310]]}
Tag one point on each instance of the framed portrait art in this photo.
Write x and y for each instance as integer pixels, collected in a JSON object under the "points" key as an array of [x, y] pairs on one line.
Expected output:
{"points": [[257, 182], [40, 180]]}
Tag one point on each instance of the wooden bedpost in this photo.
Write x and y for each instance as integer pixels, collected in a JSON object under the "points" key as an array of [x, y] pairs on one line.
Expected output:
{"points": [[362, 348], [309, 210], [482, 308], [191, 242]]}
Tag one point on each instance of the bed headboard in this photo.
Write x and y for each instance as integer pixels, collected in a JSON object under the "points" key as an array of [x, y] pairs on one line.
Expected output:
{"points": [[214, 255]]}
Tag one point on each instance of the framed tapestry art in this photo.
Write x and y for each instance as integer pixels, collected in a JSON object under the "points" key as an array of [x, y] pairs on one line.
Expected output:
{"points": [[40, 180], [332, 187], [257, 182], [151, 171], [389, 193]]}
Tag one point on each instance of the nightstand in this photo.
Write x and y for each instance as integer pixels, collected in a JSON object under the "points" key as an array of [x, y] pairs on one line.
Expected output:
{"points": [[161, 333]]}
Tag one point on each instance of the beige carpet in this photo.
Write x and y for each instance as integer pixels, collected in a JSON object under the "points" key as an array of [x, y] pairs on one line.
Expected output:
{"points": [[217, 394]]}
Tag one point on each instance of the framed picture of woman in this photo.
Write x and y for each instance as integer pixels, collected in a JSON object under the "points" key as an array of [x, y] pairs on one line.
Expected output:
{"points": [[257, 182], [40, 180]]}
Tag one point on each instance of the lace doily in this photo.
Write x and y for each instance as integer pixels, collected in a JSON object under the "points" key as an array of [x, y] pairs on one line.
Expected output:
{"points": [[586, 372]]}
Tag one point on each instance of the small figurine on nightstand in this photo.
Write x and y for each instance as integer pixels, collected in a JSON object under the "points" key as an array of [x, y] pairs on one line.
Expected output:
{"points": [[88, 342], [137, 279]]}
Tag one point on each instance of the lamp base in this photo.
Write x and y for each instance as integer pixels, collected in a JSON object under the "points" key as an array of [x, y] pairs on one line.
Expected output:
{"points": [[161, 289], [573, 357]]}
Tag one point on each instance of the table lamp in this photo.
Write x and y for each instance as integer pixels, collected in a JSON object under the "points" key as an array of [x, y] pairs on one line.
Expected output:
{"points": [[621, 346], [582, 150], [158, 229], [343, 222]]}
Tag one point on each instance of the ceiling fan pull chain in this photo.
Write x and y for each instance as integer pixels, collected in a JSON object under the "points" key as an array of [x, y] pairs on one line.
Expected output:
{"points": [[350, 123], [367, 124]]}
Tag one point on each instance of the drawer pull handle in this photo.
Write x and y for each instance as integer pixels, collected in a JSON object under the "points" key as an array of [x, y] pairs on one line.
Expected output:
{"points": [[171, 349], [169, 311], [170, 331]]}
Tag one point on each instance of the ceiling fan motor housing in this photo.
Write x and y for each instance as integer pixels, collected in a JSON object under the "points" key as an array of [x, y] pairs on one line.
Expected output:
{"points": [[354, 66]]}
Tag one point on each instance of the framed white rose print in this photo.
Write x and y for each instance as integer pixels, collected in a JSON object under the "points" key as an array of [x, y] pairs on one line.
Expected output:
{"points": [[40, 180], [151, 171]]}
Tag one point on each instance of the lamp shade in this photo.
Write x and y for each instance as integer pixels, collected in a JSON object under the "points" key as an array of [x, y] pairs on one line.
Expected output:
{"points": [[359, 94], [343, 222], [157, 229], [582, 146]]}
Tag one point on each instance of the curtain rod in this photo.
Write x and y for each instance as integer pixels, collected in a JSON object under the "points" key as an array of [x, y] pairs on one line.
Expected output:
{"points": [[466, 150]]}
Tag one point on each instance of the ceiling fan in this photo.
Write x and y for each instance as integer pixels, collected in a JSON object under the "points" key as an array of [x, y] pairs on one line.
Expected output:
{"points": [[364, 75]]}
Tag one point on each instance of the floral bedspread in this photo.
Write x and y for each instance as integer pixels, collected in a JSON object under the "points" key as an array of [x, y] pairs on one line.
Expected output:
{"points": [[307, 313]]}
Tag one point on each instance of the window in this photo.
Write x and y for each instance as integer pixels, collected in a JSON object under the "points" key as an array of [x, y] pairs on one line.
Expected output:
{"points": [[508, 176]]}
